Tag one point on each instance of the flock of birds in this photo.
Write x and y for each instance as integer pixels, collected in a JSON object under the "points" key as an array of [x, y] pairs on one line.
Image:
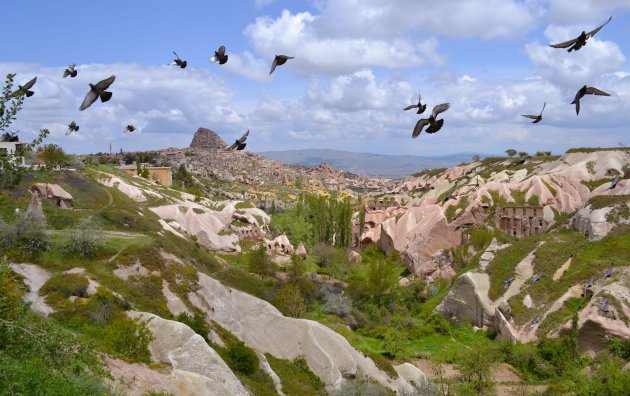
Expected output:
{"points": [[99, 90], [604, 303], [572, 45]]}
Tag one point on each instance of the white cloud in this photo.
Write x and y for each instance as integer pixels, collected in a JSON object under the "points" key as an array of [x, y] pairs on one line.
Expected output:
{"points": [[161, 101], [471, 18], [263, 3], [578, 67], [300, 35], [590, 13]]}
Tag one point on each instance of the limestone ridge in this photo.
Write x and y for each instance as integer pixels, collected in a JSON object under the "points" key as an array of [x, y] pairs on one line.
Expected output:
{"points": [[206, 139]]}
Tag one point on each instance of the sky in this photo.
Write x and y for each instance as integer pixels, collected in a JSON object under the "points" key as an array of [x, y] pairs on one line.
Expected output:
{"points": [[357, 64]]}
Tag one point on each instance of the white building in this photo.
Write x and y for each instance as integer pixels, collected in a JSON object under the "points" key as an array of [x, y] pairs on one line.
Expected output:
{"points": [[15, 148]]}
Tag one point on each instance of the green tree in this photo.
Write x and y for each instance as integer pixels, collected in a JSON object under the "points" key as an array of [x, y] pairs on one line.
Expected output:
{"points": [[52, 155], [289, 301], [476, 158], [259, 263], [510, 152], [523, 154], [145, 172], [10, 173], [475, 363]]}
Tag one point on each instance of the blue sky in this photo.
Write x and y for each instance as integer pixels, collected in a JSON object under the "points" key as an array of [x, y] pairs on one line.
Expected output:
{"points": [[357, 64]]}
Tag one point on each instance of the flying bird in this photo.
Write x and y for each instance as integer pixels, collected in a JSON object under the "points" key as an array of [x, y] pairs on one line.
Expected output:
{"points": [[536, 118], [239, 144], [507, 283], [586, 91], [24, 89], [579, 41], [535, 321], [9, 137], [434, 125], [70, 71], [421, 107], [279, 60], [96, 91], [177, 61], [536, 278], [590, 281], [604, 308], [72, 127], [219, 56], [608, 272], [130, 128], [614, 182]]}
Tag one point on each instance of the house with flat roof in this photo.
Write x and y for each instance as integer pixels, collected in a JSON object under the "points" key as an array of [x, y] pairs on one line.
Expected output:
{"points": [[14, 148]]}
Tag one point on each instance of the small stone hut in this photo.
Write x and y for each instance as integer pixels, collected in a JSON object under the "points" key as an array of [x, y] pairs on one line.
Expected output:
{"points": [[54, 194]]}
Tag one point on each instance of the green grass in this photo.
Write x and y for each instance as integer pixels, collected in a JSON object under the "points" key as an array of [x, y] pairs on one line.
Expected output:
{"points": [[504, 262], [593, 184], [595, 149], [450, 211], [296, 377], [603, 201], [558, 318], [430, 172], [590, 258]]}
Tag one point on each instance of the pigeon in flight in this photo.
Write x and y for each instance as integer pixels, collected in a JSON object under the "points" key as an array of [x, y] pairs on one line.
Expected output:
{"points": [[580, 40], [177, 61], [24, 89], [130, 128], [70, 71], [279, 60], [9, 137], [608, 272], [536, 118], [586, 91], [604, 308], [97, 91], [536, 278], [614, 182], [434, 125], [239, 144], [219, 56], [590, 281], [421, 107], [72, 127]]}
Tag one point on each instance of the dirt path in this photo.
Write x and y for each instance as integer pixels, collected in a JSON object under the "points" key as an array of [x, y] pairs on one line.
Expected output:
{"points": [[507, 381], [106, 234]]}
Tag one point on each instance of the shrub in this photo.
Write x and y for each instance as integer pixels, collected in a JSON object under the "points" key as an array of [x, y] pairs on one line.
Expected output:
{"points": [[289, 301], [130, 338], [241, 358], [66, 285], [25, 233], [197, 322], [259, 263], [360, 387], [84, 241], [479, 237], [337, 304]]}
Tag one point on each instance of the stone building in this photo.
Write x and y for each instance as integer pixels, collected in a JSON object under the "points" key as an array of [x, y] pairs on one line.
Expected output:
{"points": [[161, 174], [521, 221], [53, 193]]}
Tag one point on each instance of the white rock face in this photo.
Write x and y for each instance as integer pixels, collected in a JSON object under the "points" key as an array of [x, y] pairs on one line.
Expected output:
{"points": [[173, 302], [197, 363], [592, 223], [133, 192], [35, 278], [262, 327], [206, 226]]}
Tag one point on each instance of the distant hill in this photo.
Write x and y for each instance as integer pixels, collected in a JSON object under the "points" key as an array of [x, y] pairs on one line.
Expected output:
{"points": [[366, 163]]}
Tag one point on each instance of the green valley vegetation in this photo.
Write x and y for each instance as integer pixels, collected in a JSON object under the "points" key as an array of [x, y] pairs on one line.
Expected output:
{"points": [[11, 173]]}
